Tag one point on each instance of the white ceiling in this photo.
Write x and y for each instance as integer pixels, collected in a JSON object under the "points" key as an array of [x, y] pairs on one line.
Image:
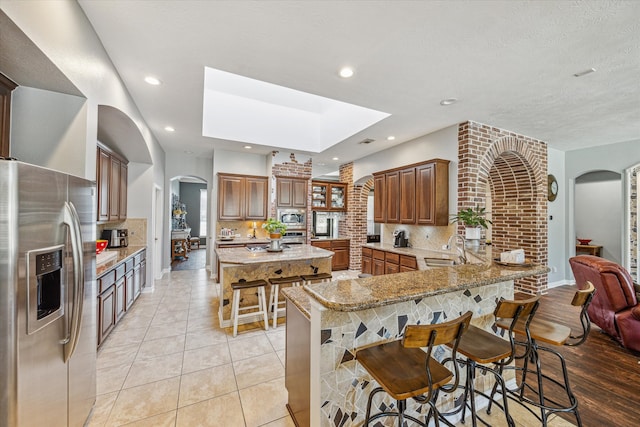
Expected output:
{"points": [[509, 63]]}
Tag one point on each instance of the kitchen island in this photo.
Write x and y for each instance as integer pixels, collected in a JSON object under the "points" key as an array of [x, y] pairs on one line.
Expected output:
{"points": [[243, 263], [342, 316]]}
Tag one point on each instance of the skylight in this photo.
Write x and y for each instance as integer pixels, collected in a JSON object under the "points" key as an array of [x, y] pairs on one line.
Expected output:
{"points": [[241, 109]]}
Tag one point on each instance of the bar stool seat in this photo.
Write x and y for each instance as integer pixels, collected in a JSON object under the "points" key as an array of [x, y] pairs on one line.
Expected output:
{"points": [[403, 370], [481, 347], [274, 294], [545, 331], [194, 241], [259, 309], [315, 278]]}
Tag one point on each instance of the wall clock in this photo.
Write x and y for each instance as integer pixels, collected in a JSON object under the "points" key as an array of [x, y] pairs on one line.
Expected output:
{"points": [[552, 188]]}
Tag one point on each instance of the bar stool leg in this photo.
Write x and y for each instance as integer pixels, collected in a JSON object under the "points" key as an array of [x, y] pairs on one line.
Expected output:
{"points": [[234, 310], [262, 302], [274, 298]]}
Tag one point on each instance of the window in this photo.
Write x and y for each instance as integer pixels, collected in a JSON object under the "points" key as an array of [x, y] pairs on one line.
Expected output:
{"points": [[203, 212]]}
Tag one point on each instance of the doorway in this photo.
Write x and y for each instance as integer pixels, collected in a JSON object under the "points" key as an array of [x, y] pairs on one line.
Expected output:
{"points": [[189, 213], [599, 212]]}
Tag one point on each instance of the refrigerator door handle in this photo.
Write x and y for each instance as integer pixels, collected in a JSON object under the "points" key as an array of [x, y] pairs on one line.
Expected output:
{"points": [[72, 221]]}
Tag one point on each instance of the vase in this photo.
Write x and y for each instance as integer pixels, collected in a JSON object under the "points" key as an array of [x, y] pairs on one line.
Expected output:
{"points": [[275, 236], [472, 233]]}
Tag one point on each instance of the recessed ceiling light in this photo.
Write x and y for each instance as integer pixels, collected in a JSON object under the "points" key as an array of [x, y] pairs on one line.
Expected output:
{"points": [[346, 72], [169, 129], [448, 101], [152, 80], [585, 72], [248, 147], [391, 138], [335, 158], [188, 152]]}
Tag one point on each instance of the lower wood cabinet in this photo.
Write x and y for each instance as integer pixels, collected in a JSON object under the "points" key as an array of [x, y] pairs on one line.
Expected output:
{"points": [[118, 288], [378, 262], [340, 249]]}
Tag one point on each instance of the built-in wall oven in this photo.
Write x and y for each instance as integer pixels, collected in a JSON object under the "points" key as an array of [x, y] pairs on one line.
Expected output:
{"points": [[294, 219]]}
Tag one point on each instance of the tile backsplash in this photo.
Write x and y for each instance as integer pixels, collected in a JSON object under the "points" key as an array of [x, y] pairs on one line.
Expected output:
{"points": [[137, 230]]}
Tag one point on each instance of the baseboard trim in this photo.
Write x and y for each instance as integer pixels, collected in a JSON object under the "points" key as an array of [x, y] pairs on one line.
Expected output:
{"points": [[560, 283]]}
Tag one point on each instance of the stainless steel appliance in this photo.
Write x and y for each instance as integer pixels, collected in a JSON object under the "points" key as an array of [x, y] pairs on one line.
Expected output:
{"points": [[399, 239], [294, 219], [322, 224], [294, 237], [47, 297], [118, 238]]}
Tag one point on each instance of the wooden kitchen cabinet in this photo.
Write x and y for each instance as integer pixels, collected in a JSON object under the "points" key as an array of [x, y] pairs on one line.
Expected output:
{"points": [[111, 177], [391, 263], [379, 199], [291, 192], [378, 262], [413, 194], [106, 313], [340, 249], [328, 196], [242, 197], [6, 87], [408, 263]]}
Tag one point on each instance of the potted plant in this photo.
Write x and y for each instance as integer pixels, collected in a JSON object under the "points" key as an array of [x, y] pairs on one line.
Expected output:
{"points": [[274, 227], [474, 220]]}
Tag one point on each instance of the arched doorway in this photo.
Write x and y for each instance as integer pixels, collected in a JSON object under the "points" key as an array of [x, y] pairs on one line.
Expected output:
{"points": [[598, 212], [189, 213]]}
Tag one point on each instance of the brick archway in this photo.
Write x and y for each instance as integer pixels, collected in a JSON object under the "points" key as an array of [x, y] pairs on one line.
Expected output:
{"points": [[514, 168]]}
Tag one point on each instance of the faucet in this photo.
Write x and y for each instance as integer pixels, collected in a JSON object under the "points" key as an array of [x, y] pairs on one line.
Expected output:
{"points": [[462, 253]]}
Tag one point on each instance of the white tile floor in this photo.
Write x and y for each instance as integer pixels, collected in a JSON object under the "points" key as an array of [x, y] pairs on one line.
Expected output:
{"points": [[168, 363]]}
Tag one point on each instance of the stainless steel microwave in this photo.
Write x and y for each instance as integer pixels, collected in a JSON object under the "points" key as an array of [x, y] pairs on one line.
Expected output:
{"points": [[294, 219]]}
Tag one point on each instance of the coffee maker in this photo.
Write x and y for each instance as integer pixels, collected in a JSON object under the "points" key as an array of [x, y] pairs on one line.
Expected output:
{"points": [[399, 239]]}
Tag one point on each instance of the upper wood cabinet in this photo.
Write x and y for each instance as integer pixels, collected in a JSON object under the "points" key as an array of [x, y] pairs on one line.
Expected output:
{"points": [[6, 87], [413, 194], [328, 196], [242, 197], [291, 192], [111, 182]]}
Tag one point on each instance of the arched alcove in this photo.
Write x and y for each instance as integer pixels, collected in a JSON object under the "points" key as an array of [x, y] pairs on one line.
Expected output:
{"points": [[121, 134], [187, 193], [514, 168]]}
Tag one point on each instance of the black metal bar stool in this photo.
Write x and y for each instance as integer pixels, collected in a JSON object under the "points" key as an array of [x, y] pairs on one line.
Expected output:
{"points": [[403, 370], [274, 294], [544, 331], [316, 278], [261, 306], [481, 348]]}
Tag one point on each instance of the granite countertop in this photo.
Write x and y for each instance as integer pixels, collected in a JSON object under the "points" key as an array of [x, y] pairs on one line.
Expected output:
{"points": [[293, 253], [475, 255], [242, 241], [299, 298], [123, 254], [376, 291]]}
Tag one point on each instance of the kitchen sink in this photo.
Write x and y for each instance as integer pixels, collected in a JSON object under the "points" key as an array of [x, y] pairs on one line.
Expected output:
{"points": [[441, 262]]}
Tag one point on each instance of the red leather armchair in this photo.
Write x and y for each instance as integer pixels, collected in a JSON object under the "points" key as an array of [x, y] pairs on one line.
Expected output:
{"points": [[615, 306]]}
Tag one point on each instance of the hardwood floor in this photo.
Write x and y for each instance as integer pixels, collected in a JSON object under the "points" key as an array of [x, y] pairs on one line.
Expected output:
{"points": [[604, 376]]}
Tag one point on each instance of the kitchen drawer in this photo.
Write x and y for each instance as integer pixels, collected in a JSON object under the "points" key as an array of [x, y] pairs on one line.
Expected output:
{"points": [[392, 258], [120, 269], [340, 244], [324, 244], [408, 261], [378, 254], [106, 280], [367, 252], [128, 264]]}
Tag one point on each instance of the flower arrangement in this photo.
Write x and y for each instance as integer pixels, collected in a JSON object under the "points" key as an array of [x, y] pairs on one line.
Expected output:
{"points": [[274, 227]]}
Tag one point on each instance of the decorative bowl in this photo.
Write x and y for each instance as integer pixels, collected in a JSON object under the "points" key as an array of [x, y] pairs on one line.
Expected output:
{"points": [[101, 245], [584, 241]]}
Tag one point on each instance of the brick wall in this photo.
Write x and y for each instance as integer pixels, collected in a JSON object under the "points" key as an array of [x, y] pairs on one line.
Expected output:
{"points": [[354, 225], [515, 169]]}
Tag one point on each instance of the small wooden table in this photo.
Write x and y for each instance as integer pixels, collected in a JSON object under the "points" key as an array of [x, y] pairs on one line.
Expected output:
{"points": [[179, 248], [594, 250]]}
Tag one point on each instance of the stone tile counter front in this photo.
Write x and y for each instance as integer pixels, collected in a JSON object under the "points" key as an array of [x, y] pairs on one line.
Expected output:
{"points": [[346, 315], [237, 264]]}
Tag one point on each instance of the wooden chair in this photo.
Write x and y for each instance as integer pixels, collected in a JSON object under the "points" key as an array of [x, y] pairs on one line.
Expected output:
{"points": [[274, 294], [481, 348], [403, 370], [316, 278], [259, 309], [545, 331]]}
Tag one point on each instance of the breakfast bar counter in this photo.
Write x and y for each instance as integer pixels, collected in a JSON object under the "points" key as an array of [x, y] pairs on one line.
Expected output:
{"points": [[345, 315], [246, 264]]}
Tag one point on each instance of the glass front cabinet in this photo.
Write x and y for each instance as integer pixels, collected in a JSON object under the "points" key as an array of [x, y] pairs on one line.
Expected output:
{"points": [[328, 196]]}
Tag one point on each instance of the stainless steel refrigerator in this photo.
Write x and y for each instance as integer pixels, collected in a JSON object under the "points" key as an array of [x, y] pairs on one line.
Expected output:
{"points": [[47, 297]]}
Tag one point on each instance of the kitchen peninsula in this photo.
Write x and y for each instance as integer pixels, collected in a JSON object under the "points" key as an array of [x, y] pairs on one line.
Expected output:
{"points": [[328, 322], [252, 263]]}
